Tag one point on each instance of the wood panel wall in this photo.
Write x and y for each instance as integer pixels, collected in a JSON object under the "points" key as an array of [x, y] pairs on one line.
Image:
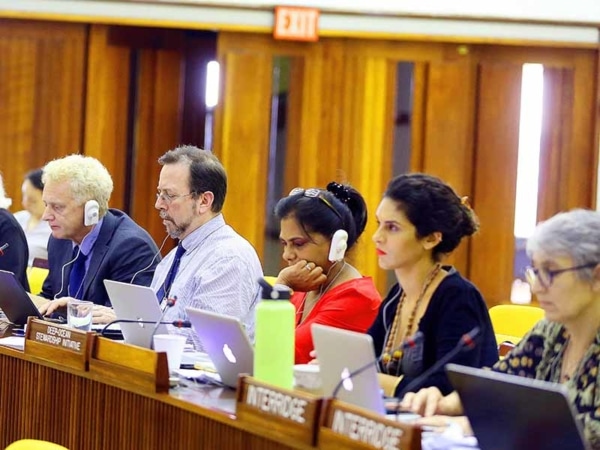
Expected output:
{"points": [[120, 94], [493, 248], [107, 118], [465, 128], [42, 96]]}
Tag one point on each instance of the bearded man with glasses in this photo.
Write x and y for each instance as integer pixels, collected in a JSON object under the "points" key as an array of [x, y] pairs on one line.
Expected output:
{"points": [[212, 267]]}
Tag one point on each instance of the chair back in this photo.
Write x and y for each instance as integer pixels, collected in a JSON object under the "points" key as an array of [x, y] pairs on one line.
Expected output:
{"points": [[512, 322], [36, 277], [270, 279], [34, 444]]}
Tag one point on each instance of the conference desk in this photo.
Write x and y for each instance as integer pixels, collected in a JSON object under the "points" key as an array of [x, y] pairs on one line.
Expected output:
{"points": [[44, 400], [86, 392]]}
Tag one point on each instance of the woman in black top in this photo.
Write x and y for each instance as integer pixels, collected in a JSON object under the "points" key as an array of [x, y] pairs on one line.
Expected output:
{"points": [[421, 220]]}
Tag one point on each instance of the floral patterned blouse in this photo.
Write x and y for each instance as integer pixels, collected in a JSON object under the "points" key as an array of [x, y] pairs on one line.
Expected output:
{"points": [[539, 355]]}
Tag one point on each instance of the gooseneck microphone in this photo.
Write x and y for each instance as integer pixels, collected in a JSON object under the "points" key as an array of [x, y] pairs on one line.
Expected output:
{"points": [[175, 323], [2, 248], [409, 342], [466, 343], [170, 302]]}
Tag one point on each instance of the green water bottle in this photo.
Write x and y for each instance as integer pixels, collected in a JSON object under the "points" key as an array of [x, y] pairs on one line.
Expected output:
{"points": [[274, 337]]}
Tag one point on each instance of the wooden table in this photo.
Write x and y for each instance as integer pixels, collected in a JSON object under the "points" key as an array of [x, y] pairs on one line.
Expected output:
{"points": [[73, 408]]}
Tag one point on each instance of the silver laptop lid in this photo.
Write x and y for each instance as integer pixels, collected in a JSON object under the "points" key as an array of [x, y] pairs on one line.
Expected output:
{"points": [[508, 412], [134, 302], [340, 353], [226, 342]]}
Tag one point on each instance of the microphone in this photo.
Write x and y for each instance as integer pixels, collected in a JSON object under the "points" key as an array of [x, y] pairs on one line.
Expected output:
{"points": [[170, 302], [466, 343], [175, 323], [410, 342], [2, 248]]}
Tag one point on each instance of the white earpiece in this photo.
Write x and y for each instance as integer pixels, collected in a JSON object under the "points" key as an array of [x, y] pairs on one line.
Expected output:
{"points": [[339, 244], [91, 213]]}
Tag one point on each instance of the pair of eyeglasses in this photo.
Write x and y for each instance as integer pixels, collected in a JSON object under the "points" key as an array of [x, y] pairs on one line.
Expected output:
{"points": [[545, 277], [169, 198], [315, 193]]}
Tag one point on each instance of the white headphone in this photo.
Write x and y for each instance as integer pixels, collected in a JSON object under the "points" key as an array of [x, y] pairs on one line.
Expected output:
{"points": [[91, 213], [339, 244]]}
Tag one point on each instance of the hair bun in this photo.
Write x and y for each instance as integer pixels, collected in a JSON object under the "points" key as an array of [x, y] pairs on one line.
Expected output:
{"points": [[340, 191]]}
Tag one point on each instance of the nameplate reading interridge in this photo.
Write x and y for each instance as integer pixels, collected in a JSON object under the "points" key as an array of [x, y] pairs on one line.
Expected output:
{"points": [[346, 426], [281, 412]]}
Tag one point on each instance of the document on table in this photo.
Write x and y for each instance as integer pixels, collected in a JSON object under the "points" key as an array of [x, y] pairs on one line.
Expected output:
{"points": [[17, 342]]}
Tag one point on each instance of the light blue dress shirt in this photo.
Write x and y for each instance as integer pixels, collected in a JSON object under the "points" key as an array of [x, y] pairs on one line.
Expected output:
{"points": [[218, 273]]}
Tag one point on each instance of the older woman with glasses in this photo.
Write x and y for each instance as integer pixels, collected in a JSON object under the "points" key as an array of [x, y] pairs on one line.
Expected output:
{"points": [[317, 226], [565, 346]]}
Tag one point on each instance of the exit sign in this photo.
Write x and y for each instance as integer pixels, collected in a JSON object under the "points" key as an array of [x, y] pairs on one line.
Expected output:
{"points": [[296, 24]]}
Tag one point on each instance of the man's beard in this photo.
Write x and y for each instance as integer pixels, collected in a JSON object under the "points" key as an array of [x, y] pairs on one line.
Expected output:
{"points": [[174, 230]]}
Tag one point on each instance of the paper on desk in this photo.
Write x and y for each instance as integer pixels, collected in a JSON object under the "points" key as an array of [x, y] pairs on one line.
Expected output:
{"points": [[192, 374], [199, 360], [17, 342], [452, 438]]}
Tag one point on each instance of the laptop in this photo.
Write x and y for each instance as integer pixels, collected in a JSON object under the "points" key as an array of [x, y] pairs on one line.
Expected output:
{"points": [[508, 412], [139, 303], [336, 367], [226, 342], [14, 300]]}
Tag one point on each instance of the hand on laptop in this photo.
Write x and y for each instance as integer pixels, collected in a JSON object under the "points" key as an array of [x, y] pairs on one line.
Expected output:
{"points": [[430, 401], [103, 314], [52, 305], [304, 276], [100, 314]]}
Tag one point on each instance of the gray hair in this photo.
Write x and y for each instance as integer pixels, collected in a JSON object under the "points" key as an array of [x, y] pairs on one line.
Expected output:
{"points": [[575, 234], [87, 177], [5, 201]]}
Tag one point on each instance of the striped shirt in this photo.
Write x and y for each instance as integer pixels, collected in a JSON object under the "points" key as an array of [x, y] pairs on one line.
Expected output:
{"points": [[218, 273]]}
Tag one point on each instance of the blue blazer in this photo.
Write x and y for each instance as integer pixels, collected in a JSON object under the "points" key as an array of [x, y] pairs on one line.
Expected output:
{"points": [[121, 249]]}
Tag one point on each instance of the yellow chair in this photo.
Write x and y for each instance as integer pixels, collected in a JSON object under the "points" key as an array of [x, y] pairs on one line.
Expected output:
{"points": [[270, 279], [34, 444], [512, 322], [36, 277]]}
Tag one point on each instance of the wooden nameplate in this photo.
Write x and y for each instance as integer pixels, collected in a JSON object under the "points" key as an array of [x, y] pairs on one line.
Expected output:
{"points": [[281, 413], [347, 426], [59, 344], [130, 366]]}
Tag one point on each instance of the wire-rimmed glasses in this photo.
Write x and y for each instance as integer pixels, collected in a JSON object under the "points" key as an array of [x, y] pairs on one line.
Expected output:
{"points": [[169, 198]]}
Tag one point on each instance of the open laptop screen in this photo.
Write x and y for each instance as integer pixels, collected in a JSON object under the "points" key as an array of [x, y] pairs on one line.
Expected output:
{"points": [[340, 353], [133, 302], [226, 342], [14, 300], [508, 412]]}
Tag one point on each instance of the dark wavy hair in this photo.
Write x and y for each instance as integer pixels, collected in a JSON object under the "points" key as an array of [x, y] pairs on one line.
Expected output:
{"points": [[340, 206], [431, 205]]}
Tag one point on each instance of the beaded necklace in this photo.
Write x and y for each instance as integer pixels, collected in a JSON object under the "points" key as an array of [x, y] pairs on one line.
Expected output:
{"points": [[391, 361]]}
